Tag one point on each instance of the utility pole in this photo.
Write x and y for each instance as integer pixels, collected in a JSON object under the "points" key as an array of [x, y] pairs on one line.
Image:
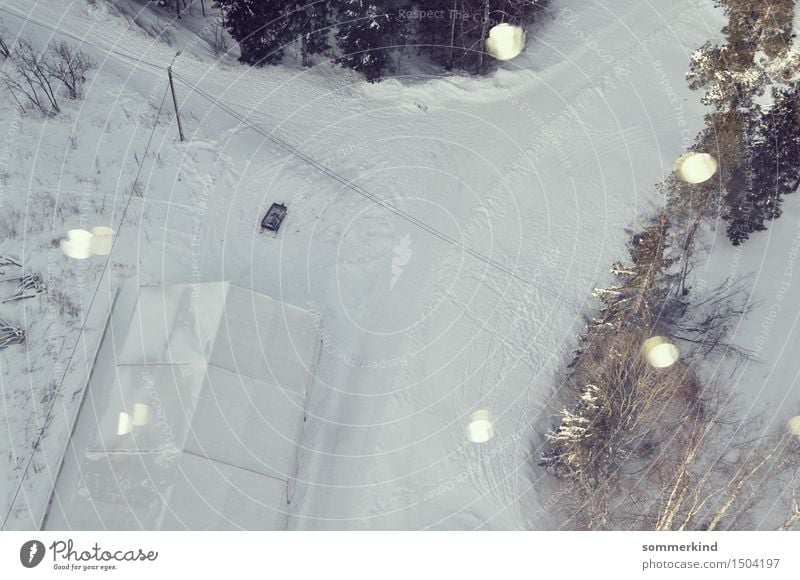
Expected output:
{"points": [[175, 102]]}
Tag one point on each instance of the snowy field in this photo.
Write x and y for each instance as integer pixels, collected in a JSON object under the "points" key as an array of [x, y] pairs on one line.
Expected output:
{"points": [[540, 167]]}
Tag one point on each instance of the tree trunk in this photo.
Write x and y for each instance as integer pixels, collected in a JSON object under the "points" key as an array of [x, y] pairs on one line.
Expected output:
{"points": [[304, 56], [449, 63], [484, 26], [687, 247]]}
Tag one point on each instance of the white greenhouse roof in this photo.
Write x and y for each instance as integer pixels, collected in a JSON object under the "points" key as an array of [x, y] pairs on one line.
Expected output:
{"points": [[159, 491], [205, 410], [198, 423], [224, 325]]}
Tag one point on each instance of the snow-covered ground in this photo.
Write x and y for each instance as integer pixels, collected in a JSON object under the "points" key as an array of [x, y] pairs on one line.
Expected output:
{"points": [[540, 166], [768, 388]]}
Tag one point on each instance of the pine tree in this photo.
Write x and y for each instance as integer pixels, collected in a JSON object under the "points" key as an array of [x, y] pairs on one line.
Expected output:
{"points": [[452, 32], [727, 76], [759, 25], [457, 39], [769, 168], [310, 22], [730, 137], [743, 204], [731, 73], [259, 27], [779, 153], [436, 36], [368, 31]]}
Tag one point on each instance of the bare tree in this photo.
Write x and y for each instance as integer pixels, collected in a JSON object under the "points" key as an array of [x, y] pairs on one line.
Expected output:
{"points": [[794, 515], [29, 81], [660, 448], [700, 468], [35, 77], [5, 50], [709, 320], [727, 477], [69, 66]]}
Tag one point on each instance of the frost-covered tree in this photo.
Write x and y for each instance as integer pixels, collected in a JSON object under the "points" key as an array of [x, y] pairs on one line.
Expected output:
{"points": [[29, 80], [756, 35], [574, 435], [642, 447], [69, 66], [726, 77], [615, 388]]}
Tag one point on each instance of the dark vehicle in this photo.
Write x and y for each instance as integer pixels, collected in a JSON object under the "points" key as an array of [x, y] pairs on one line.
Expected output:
{"points": [[272, 221]]}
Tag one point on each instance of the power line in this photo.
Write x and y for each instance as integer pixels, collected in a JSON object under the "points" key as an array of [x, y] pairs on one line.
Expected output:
{"points": [[111, 51], [326, 170], [372, 197]]}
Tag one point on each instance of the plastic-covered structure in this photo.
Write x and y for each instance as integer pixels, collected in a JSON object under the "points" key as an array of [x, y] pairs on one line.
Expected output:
{"points": [[202, 419]]}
